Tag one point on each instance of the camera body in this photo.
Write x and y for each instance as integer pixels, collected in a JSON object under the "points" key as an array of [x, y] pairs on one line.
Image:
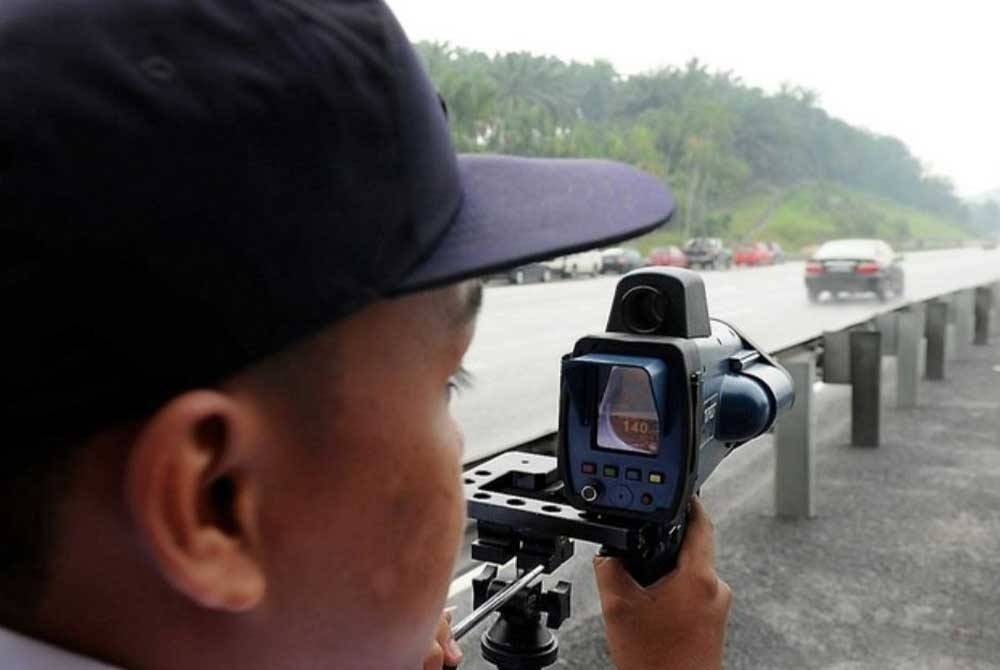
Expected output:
{"points": [[650, 408]]}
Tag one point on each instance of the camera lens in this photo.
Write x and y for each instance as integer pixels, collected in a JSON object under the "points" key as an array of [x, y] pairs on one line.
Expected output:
{"points": [[644, 309]]}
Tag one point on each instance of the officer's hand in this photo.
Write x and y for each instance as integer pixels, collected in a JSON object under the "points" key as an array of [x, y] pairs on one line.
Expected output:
{"points": [[444, 651], [679, 622]]}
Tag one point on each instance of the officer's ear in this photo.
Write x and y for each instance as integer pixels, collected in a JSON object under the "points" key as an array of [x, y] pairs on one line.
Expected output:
{"points": [[194, 500]]}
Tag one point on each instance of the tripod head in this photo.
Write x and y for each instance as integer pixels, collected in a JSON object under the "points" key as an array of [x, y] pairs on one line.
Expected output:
{"points": [[517, 501]]}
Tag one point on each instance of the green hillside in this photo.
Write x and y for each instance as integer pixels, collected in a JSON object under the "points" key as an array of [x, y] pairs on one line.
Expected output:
{"points": [[743, 163], [811, 213]]}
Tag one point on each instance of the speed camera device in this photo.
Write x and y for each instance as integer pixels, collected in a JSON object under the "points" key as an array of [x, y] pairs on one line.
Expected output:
{"points": [[651, 407], [648, 410]]}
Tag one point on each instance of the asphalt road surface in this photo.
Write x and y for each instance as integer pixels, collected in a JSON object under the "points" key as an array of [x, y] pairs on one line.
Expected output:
{"points": [[524, 330]]}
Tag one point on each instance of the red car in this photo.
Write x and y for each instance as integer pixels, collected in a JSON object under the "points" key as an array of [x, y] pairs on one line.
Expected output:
{"points": [[757, 253], [672, 256]]}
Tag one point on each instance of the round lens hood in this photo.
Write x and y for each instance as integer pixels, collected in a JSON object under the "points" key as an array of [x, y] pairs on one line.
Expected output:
{"points": [[644, 309]]}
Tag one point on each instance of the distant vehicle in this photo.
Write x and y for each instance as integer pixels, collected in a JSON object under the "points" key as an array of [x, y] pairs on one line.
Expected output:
{"points": [[777, 253], [672, 256], [855, 266], [708, 252], [534, 272], [621, 260], [754, 254], [583, 263], [990, 243]]}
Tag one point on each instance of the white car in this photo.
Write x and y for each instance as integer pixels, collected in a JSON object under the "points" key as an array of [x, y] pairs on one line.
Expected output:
{"points": [[583, 263]]}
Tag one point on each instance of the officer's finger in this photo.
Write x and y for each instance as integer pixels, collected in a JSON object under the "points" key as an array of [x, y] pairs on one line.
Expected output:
{"points": [[613, 580], [435, 658], [698, 548], [450, 649]]}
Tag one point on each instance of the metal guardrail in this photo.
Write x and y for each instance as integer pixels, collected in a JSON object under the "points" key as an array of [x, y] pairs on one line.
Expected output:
{"points": [[923, 335]]}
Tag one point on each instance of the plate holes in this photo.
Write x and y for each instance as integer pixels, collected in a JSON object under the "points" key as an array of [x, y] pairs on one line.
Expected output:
{"points": [[482, 473], [551, 508], [525, 462], [469, 481], [516, 502], [481, 496]]}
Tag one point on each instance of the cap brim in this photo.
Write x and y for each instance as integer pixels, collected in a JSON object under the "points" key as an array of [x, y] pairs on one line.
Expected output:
{"points": [[521, 210]]}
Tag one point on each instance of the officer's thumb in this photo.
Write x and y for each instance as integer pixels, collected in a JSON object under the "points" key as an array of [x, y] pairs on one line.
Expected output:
{"points": [[613, 579]]}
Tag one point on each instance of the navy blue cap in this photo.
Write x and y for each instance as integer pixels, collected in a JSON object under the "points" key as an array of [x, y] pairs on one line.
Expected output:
{"points": [[187, 186]]}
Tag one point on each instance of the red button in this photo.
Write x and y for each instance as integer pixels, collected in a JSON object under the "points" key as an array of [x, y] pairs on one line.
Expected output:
{"points": [[589, 468]]}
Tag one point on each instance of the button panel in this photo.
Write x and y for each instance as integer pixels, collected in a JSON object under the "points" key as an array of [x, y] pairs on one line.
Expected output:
{"points": [[621, 496], [637, 493]]}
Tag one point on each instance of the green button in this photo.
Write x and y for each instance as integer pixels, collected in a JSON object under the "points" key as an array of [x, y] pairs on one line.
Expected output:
{"points": [[610, 471]]}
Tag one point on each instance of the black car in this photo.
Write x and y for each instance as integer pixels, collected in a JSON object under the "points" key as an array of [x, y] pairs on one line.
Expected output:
{"points": [[524, 274], [854, 266], [620, 260], [708, 253]]}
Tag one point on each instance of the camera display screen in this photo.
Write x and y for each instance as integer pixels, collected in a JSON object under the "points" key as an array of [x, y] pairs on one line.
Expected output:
{"points": [[627, 417]]}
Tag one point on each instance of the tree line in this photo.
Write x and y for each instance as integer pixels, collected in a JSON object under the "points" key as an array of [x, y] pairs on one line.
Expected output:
{"points": [[708, 134]]}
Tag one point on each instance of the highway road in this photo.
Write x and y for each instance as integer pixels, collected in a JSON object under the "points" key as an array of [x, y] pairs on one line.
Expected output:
{"points": [[524, 330]]}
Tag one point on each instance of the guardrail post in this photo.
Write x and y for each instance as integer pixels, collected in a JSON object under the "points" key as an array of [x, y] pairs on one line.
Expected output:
{"points": [[837, 357], [937, 336], [793, 447], [866, 388], [984, 313], [910, 337], [996, 308], [888, 326], [919, 309], [949, 340], [964, 321]]}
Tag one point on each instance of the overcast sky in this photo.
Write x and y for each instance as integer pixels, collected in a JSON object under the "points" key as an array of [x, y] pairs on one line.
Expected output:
{"points": [[925, 72]]}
